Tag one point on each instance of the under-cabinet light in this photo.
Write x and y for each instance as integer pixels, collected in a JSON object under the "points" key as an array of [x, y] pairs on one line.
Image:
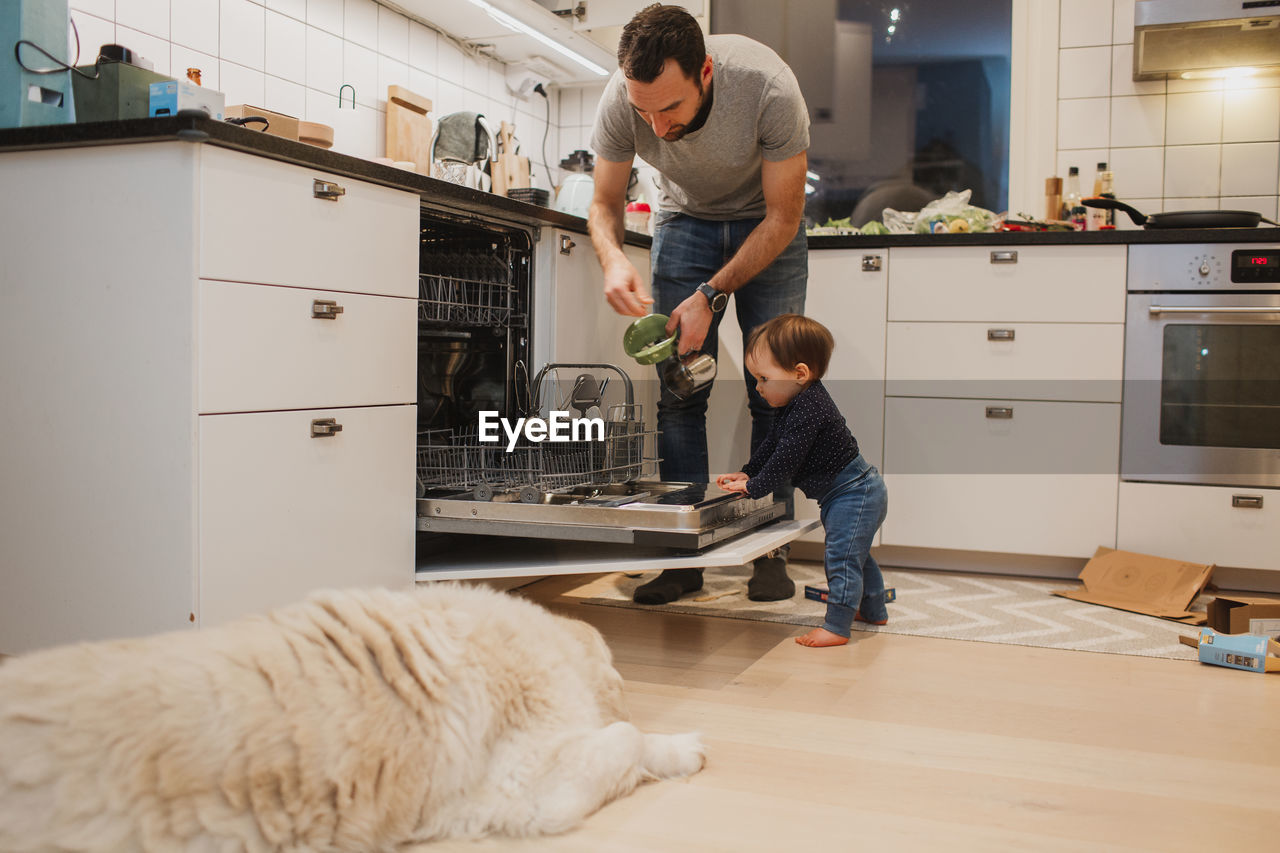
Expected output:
{"points": [[513, 23]]}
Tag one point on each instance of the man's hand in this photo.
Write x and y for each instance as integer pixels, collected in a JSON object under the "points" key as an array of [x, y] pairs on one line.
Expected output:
{"points": [[693, 317], [625, 290], [735, 482]]}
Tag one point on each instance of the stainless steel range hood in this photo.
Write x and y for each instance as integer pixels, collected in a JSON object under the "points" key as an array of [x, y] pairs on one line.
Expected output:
{"points": [[1205, 38]]}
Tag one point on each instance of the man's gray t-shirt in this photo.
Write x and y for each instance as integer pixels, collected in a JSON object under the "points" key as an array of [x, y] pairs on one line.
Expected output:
{"points": [[757, 113]]}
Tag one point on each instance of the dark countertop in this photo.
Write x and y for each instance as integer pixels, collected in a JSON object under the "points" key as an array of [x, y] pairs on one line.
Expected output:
{"points": [[458, 198]]}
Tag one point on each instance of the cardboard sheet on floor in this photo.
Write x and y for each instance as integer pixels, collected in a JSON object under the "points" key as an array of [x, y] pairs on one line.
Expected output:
{"points": [[1141, 583]]}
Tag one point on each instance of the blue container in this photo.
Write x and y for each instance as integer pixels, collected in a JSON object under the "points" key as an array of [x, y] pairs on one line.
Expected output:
{"points": [[28, 99]]}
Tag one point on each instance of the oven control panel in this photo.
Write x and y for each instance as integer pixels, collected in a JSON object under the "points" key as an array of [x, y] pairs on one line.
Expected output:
{"points": [[1255, 266], [1173, 267]]}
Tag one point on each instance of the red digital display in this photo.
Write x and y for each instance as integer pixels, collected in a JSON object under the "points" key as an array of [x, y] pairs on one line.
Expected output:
{"points": [[1260, 261]]}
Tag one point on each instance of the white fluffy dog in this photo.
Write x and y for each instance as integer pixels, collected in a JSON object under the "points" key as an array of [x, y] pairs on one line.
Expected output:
{"points": [[354, 721]]}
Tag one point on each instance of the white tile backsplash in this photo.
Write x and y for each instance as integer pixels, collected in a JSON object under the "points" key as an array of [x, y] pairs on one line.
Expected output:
{"points": [[393, 34], [147, 16], [324, 62], [360, 22], [105, 9], [1192, 170], [1138, 121], [1084, 23], [286, 98], [1084, 123], [1084, 72], [1250, 168], [286, 48], [1251, 115], [1194, 118], [194, 24], [242, 85], [1122, 22], [1172, 205], [94, 32], [1264, 204], [325, 14], [391, 73], [245, 24], [296, 9], [422, 48], [360, 69], [154, 50], [1139, 172]]}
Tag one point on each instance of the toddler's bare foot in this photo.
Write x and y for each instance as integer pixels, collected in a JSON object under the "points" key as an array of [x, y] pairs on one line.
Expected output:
{"points": [[820, 637]]}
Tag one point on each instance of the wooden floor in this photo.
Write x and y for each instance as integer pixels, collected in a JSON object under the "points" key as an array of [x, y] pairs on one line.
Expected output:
{"points": [[899, 743]]}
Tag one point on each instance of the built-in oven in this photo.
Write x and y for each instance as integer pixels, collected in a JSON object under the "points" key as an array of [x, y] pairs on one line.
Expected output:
{"points": [[1201, 397]]}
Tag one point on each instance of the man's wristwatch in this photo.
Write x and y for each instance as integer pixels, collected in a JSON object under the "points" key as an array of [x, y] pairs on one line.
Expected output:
{"points": [[717, 299]]}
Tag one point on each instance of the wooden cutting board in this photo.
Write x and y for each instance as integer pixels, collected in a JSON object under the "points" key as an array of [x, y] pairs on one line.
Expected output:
{"points": [[509, 169], [408, 128]]}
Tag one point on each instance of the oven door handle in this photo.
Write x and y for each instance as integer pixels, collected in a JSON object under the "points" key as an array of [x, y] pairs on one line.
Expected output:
{"points": [[1157, 310]]}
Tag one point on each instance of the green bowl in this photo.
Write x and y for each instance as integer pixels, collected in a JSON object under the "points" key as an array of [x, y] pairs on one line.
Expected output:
{"points": [[646, 340]]}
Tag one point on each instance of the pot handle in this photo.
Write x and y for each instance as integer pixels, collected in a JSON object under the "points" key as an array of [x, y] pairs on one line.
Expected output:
{"points": [[1111, 204]]}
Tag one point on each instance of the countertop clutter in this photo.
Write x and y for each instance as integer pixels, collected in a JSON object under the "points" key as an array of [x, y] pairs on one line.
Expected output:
{"points": [[201, 128]]}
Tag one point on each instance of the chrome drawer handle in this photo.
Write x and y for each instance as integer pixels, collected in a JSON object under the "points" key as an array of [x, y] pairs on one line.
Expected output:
{"points": [[1246, 501], [325, 309], [327, 190], [1002, 412], [1004, 257], [1000, 334], [323, 427], [871, 263]]}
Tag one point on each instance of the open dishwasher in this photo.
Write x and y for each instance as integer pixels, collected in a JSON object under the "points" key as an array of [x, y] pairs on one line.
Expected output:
{"points": [[593, 496]]}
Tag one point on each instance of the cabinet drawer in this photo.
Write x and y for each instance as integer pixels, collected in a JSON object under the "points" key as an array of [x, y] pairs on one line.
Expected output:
{"points": [[283, 513], [1042, 481], [260, 221], [262, 348], [1025, 361], [1059, 284], [1202, 524]]}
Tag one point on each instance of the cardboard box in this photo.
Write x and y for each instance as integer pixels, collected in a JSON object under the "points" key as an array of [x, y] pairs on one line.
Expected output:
{"points": [[1239, 651], [278, 124], [817, 593], [1141, 583], [1245, 614]]}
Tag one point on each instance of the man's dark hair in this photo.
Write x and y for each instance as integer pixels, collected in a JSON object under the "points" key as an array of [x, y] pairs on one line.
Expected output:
{"points": [[658, 33]]}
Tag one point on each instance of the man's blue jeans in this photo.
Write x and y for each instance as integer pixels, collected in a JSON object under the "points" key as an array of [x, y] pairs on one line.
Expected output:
{"points": [[686, 252]]}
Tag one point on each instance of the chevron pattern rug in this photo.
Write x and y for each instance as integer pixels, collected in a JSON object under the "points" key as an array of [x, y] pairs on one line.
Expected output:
{"points": [[982, 608]]}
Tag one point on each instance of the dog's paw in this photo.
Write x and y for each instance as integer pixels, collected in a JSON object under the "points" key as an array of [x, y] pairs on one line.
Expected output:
{"points": [[673, 756]]}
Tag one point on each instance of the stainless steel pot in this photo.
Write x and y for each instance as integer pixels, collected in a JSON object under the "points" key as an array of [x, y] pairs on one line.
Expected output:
{"points": [[684, 375]]}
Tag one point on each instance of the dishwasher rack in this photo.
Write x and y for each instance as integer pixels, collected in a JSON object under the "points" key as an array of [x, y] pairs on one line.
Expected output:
{"points": [[457, 460]]}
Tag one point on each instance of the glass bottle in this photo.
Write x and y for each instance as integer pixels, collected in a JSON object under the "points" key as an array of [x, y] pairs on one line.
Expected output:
{"points": [[1075, 211]]}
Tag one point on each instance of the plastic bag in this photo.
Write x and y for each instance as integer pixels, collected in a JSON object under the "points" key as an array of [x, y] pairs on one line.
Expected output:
{"points": [[947, 215]]}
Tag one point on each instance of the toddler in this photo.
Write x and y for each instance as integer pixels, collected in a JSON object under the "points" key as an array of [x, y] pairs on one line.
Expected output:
{"points": [[810, 446]]}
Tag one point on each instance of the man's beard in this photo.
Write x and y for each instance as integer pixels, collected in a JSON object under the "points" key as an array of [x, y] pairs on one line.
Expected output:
{"points": [[699, 119]]}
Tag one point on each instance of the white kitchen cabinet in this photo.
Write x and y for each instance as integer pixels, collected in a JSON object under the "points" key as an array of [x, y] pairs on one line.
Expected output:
{"points": [[118, 515], [993, 284], [1236, 527], [848, 296], [1024, 477], [1004, 370]]}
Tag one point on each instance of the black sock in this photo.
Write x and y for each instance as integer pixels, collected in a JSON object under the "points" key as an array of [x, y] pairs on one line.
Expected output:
{"points": [[769, 581], [668, 586]]}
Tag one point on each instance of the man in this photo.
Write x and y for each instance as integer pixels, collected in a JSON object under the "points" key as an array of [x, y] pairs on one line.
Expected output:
{"points": [[724, 123]]}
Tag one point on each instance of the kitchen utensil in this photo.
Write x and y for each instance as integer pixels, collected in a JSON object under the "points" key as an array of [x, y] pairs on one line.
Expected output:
{"points": [[646, 339], [1183, 218], [315, 133], [510, 170], [575, 194], [683, 375], [408, 128], [585, 394], [530, 195]]}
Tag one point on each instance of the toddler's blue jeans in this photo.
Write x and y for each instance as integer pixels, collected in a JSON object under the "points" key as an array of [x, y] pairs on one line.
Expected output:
{"points": [[852, 511]]}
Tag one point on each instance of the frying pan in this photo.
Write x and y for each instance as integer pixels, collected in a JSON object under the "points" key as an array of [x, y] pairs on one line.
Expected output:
{"points": [[1183, 218]]}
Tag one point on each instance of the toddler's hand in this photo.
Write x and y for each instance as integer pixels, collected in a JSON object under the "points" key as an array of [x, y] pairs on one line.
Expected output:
{"points": [[735, 482]]}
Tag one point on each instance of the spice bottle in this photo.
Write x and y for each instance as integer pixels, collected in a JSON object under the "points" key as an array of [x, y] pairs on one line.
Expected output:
{"points": [[1075, 211]]}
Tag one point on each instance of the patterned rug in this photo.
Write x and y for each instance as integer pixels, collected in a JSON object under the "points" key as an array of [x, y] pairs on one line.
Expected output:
{"points": [[983, 608]]}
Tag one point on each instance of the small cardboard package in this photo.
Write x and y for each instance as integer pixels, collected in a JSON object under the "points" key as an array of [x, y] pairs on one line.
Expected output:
{"points": [[1142, 583], [1239, 651], [1245, 614], [278, 124]]}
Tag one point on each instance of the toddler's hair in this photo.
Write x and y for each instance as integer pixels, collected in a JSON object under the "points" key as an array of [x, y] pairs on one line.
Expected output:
{"points": [[794, 339]]}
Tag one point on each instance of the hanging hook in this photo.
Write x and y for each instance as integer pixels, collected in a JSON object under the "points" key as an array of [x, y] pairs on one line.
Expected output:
{"points": [[353, 95]]}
